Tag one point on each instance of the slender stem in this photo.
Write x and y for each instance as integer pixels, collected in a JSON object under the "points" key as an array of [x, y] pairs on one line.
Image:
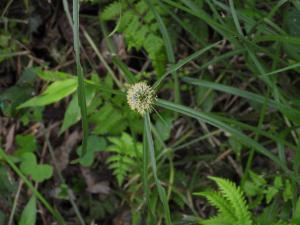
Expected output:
{"points": [[62, 180], [6, 8], [168, 46], [100, 56], [13, 210]]}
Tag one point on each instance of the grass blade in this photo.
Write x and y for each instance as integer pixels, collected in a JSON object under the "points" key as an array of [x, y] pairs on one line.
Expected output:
{"points": [[182, 62], [79, 71], [131, 79], [169, 48], [235, 18], [207, 118], [283, 108], [145, 167], [160, 189]]}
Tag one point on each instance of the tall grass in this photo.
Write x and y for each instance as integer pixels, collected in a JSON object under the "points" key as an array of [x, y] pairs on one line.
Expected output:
{"points": [[80, 75]]}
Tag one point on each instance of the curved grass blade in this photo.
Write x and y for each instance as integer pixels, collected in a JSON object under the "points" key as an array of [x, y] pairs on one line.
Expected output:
{"points": [[235, 18], [182, 62], [291, 113], [169, 48], [160, 189], [207, 118], [131, 79]]}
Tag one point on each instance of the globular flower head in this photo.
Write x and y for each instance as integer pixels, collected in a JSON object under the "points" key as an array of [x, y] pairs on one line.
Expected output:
{"points": [[140, 97]]}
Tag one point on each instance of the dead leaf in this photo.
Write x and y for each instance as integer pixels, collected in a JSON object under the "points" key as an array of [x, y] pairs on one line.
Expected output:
{"points": [[101, 187], [63, 152], [10, 139]]}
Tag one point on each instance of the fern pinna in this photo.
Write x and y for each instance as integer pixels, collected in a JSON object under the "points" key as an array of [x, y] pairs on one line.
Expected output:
{"points": [[138, 25], [230, 203], [125, 153]]}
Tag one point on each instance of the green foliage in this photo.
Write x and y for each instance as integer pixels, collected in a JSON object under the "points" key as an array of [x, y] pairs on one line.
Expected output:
{"points": [[28, 216], [25, 143], [100, 209], [125, 155], [230, 202], [104, 126], [17, 94], [38, 172], [7, 45], [94, 144], [138, 25], [258, 189], [72, 114], [7, 190], [54, 92]]}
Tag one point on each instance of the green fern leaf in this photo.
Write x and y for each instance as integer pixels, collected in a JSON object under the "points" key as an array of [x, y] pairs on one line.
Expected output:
{"points": [[125, 152], [224, 207], [113, 10], [140, 29], [236, 198], [218, 220]]}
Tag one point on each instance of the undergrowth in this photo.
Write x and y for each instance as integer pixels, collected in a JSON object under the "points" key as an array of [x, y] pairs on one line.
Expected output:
{"points": [[138, 105]]}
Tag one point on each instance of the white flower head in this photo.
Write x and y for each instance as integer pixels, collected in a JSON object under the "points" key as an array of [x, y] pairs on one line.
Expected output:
{"points": [[140, 97]]}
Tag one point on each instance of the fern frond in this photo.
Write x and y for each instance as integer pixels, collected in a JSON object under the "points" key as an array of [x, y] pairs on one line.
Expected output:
{"points": [[124, 155], [218, 220], [284, 223], [224, 207], [140, 29], [236, 198], [113, 10]]}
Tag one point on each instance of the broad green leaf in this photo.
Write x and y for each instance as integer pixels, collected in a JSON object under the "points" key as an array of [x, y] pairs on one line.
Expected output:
{"points": [[55, 92], [288, 191], [94, 144], [38, 172], [25, 143], [52, 75], [28, 216], [292, 19], [108, 120], [278, 182], [270, 193], [73, 114], [164, 126], [17, 94], [257, 179]]}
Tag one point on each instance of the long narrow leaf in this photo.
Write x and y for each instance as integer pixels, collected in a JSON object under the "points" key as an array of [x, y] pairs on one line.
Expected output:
{"points": [[182, 62], [160, 189], [205, 117], [79, 70], [168, 46], [291, 113]]}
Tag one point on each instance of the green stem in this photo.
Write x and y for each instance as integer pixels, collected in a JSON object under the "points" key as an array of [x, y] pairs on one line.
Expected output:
{"points": [[62, 180], [13, 211]]}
